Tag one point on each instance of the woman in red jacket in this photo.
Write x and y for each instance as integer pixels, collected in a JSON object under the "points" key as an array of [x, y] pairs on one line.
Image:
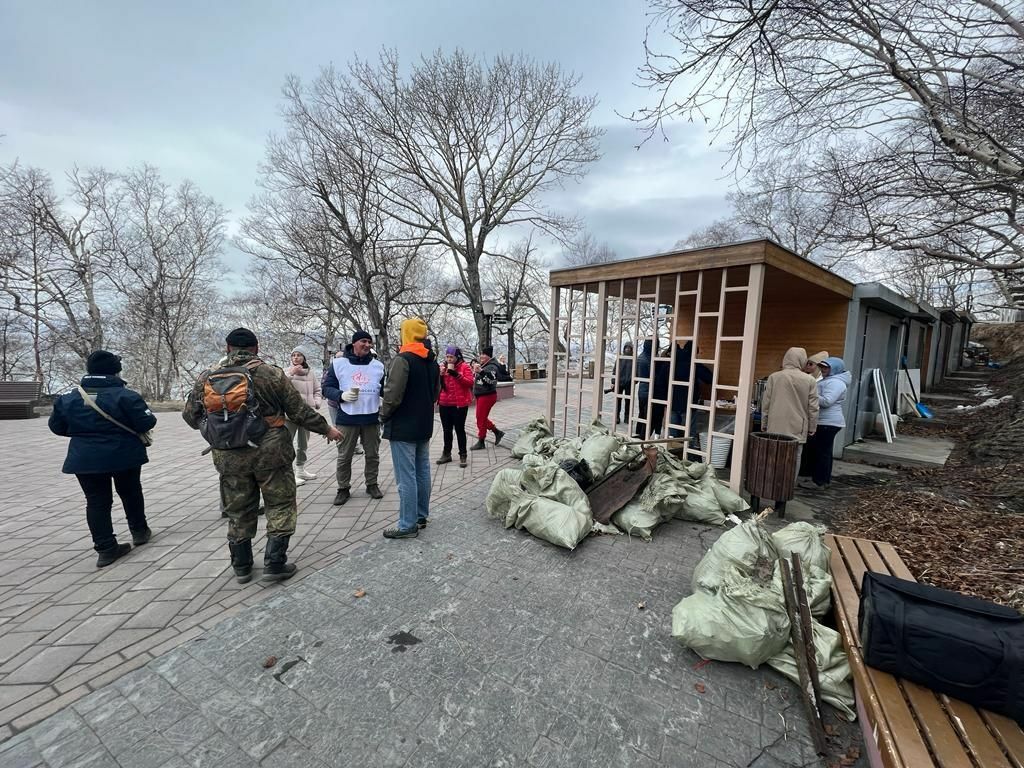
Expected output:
{"points": [[456, 395]]}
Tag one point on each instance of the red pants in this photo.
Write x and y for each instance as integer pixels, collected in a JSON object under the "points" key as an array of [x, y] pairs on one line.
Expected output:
{"points": [[484, 403]]}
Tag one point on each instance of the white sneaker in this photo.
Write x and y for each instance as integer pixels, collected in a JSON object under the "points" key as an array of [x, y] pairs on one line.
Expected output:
{"points": [[299, 480], [302, 472]]}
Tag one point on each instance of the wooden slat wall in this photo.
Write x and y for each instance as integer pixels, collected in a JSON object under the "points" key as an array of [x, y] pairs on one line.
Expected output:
{"points": [[795, 313]]}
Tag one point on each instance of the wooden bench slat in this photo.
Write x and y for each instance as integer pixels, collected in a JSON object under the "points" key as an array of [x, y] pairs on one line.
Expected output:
{"points": [[976, 734], [847, 599], [938, 730], [896, 566], [1008, 734]]}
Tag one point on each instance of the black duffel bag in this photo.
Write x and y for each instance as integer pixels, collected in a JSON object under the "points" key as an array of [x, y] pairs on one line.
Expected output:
{"points": [[970, 649]]}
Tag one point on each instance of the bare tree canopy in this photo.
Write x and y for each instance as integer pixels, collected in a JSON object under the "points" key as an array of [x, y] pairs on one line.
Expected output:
{"points": [[471, 146], [910, 111]]}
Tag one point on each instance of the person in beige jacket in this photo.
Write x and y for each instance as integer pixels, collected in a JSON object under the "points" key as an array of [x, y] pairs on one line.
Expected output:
{"points": [[308, 386], [790, 403]]}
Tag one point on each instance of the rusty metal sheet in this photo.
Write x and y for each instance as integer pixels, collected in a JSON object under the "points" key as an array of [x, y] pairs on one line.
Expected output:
{"points": [[617, 489]]}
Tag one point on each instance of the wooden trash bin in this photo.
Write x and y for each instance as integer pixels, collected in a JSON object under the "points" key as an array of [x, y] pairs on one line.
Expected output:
{"points": [[771, 469]]}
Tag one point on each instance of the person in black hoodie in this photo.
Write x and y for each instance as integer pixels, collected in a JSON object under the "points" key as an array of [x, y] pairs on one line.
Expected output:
{"points": [[645, 392], [407, 413], [105, 421], [682, 393]]}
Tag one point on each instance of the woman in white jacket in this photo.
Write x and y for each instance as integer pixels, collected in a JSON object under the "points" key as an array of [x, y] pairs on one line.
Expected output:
{"points": [[309, 387], [832, 388]]}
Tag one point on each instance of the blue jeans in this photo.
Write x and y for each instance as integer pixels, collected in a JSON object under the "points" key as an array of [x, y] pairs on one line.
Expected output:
{"points": [[412, 473]]}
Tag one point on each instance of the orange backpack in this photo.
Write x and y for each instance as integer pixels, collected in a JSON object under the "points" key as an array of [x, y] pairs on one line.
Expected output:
{"points": [[232, 418]]}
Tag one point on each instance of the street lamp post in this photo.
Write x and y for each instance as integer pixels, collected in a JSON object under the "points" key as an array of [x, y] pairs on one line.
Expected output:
{"points": [[487, 307]]}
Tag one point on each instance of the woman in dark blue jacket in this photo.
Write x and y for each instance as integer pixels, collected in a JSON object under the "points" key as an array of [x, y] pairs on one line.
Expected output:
{"points": [[101, 452]]}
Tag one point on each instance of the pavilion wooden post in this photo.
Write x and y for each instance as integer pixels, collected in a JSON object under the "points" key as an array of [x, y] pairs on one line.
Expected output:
{"points": [[601, 332], [553, 356], [748, 357]]}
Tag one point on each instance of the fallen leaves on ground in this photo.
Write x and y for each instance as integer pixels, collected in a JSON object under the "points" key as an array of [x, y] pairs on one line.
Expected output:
{"points": [[359, 593], [269, 662]]}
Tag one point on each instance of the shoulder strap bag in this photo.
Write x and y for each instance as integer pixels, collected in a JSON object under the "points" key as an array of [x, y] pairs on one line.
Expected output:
{"points": [[145, 437]]}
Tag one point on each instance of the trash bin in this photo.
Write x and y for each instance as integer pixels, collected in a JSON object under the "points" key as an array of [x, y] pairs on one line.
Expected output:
{"points": [[771, 469]]}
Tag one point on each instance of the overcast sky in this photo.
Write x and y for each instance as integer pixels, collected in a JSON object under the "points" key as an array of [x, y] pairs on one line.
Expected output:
{"points": [[194, 87]]}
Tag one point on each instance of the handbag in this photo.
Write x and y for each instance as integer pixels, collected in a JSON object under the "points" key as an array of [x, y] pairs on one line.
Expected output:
{"points": [[145, 437]]}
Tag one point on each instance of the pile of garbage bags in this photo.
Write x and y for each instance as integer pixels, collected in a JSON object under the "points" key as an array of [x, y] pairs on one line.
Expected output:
{"points": [[546, 498], [737, 611]]}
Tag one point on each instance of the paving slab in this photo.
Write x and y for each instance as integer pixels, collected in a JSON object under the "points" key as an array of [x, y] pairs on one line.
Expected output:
{"points": [[68, 627]]}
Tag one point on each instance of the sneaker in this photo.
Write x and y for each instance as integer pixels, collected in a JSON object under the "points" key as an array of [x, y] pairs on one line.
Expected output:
{"points": [[421, 523], [299, 480], [398, 533], [808, 485], [341, 497], [141, 536], [375, 492], [304, 473], [358, 451], [107, 556]]}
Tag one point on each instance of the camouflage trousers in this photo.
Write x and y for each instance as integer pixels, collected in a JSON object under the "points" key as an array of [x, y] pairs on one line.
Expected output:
{"points": [[240, 495]]}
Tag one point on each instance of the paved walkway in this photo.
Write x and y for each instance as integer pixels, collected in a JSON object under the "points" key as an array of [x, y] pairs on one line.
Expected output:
{"points": [[469, 645], [69, 628]]}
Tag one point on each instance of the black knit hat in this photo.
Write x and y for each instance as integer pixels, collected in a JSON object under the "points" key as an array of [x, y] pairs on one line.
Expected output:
{"points": [[489, 351], [242, 338], [360, 335], [103, 363]]}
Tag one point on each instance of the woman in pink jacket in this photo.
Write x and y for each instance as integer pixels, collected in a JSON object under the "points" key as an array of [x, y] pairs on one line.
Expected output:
{"points": [[308, 385], [456, 395]]}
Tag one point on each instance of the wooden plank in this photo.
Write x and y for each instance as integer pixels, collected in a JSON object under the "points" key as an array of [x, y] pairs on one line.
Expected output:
{"points": [[788, 261], [975, 734], [1008, 734], [552, 364], [855, 563], [748, 358], [693, 260], [896, 566]]}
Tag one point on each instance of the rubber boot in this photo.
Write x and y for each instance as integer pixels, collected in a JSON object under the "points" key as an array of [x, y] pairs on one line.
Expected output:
{"points": [[498, 434], [241, 559], [275, 561], [479, 445]]}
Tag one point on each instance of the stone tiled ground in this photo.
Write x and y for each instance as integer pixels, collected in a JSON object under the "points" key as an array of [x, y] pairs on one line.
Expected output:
{"points": [[473, 646], [68, 629]]}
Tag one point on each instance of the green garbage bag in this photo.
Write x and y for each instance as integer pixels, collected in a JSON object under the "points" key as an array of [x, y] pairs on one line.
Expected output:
{"points": [[552, 507], [833, 669], [536, 437], [817, 586], [505, 488], [744, 552], [806, 540], [741, 622]]}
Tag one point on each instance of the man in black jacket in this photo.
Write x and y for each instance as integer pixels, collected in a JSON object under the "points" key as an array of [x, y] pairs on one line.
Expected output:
{"points": [[407, 413]]}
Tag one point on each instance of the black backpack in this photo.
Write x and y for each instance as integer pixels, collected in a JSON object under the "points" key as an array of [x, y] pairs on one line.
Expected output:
{"points": [[967, 648]]}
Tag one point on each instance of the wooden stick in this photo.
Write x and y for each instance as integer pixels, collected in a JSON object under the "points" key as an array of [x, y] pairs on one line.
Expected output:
{"points": [[800, 654], [807, 629]]}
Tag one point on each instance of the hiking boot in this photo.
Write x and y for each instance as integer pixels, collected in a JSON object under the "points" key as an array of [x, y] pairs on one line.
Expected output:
{"points": [[341, 497], [375, 492], [275, 560], [498, 434], [107, 556], [241, 559], [398, 533], [141, 536], [421, 522], [301, 471], [463, 460], [477, 446], [446, 458]]}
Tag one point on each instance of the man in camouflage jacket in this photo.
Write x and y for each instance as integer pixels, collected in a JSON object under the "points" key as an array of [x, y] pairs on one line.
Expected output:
{"points": [[246, 472]]}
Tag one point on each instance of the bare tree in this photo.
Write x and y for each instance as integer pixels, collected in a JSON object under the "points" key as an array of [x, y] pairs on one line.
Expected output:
{"points": [[471, 146], [585, 249], [162, 245], [918, 105], [49, 270]]}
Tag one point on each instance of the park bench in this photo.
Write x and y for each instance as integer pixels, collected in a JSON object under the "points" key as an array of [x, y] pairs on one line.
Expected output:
{"points": [[17, 399], [906, 725]]}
